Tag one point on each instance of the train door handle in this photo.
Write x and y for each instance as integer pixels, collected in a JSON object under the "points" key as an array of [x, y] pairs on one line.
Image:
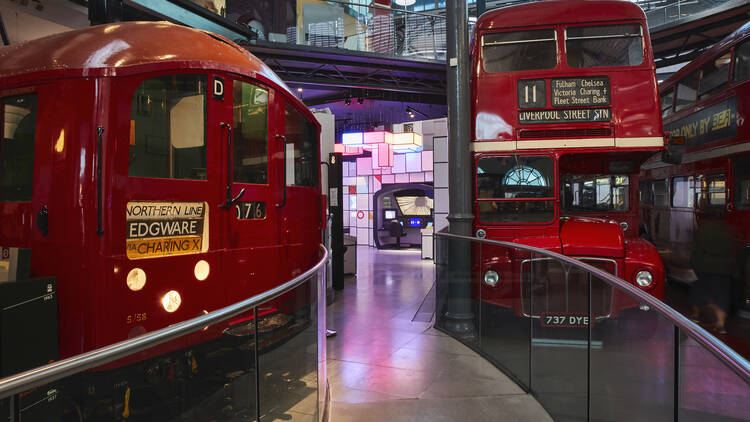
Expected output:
{"points": [[228, 202], [42, 220], [234, 200], [283, 170]]}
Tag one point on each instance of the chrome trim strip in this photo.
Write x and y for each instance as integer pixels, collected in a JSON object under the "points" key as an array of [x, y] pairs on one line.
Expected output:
{"points": [[27, 380], [721, 351]]}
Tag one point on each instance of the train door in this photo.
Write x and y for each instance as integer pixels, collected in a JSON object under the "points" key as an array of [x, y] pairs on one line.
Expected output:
{"points": [[252, 119], [163, 202], [737, 218], [301, 210]]}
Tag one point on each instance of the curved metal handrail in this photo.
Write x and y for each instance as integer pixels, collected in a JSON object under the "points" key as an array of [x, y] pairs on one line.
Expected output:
{"points": [[24, 381], [724, 353]]}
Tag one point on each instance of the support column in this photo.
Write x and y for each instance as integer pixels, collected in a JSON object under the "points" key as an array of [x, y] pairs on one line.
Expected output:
{"points": [[459, 317]]}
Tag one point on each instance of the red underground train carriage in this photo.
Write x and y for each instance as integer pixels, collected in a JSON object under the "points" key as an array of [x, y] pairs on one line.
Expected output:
{"points": [[564, 111], [157, 172]]}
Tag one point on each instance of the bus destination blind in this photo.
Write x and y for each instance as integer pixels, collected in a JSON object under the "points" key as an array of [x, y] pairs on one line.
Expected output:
{"points": [[565, 94]]}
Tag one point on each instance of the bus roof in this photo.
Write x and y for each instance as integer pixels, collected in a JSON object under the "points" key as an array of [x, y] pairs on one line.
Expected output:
{"points": [[552, 12], [125, 47], [708, 55]]}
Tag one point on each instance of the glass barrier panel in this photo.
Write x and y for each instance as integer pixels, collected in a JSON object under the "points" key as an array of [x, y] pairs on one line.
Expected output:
{"points": [[208, 375], [632, 359], [456, 289], [708, 390], [505, 319], [288, 356], [558, 304]]}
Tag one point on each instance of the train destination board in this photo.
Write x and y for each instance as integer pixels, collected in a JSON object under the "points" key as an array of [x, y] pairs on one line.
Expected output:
{"points": [[564, 115], [156, 229], [577, 92]]}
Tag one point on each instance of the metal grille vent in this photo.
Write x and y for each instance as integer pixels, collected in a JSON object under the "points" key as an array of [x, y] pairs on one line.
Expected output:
{"points": [[566, 133]]}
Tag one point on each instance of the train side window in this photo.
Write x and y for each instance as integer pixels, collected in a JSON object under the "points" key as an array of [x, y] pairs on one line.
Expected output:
{"points": [[17, 148], [168, 128], [250, 143], [519, 50], [603, 46], [711, 191], [304, 136], [661, 193], [645, 194], [683, 192], [666, 103], [687, 89], [715, 75], [742, 62]]}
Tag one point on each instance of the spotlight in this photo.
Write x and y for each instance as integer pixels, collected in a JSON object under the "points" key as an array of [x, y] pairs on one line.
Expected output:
{"points": [[347, 101], [360, 100]]}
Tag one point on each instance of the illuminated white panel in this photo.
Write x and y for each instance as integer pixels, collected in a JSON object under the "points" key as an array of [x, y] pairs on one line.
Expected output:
{"points": [[352, 202], [352, 138], [375, 137], [427, 158], [402, 178], [389, 179], [399, 163], [346, 220], [416, 177], [349, 181], [413, 162], [428, 176], [363, 236], [362, 186], [345, 199], [364, 166]]}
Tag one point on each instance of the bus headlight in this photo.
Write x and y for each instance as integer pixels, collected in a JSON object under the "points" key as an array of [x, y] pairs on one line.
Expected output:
{"points": [[491, 278], [644, 278]]}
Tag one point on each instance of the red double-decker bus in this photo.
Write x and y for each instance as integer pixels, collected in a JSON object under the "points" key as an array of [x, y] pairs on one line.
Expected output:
{"points": [[565, 110], [704, 103]]}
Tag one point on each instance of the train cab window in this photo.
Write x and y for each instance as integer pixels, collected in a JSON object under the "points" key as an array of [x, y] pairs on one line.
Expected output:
{"points": [[666, 103], [742, 62], [683, 192], [515, 189], [741, 184], [250, 143], [604, 46], [714, 75], [303, 135], [17, 148], [519, 50], [645, 194], [168, 128], [661, 193], [711, 191], [687, 89], [595, 193]]}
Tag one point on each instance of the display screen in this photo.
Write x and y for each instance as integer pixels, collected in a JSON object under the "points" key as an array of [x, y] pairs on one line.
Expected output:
{"points": [[390, 214], [415, 222]]}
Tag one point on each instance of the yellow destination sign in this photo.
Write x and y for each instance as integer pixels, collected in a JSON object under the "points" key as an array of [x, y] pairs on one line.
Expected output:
{"points": [[149, 248]]}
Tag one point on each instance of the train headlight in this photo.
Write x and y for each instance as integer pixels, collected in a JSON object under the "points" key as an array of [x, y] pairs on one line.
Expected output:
{"points": [[644, 279], [136, 279], [491, 278], [171, 301], [201, 270]]}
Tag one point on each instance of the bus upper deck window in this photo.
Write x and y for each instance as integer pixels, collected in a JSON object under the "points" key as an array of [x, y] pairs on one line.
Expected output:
{"points": [[519, 50], [604, 46], [687, 90], [17, 148], [742, 62], [714, 75], [168, 128]]}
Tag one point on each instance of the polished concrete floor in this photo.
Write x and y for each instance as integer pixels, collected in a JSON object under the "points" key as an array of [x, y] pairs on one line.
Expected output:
{"points": [[387, 364]]}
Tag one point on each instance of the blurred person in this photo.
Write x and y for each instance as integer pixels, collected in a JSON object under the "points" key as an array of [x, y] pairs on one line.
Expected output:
{"points": [[713, 260]]}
